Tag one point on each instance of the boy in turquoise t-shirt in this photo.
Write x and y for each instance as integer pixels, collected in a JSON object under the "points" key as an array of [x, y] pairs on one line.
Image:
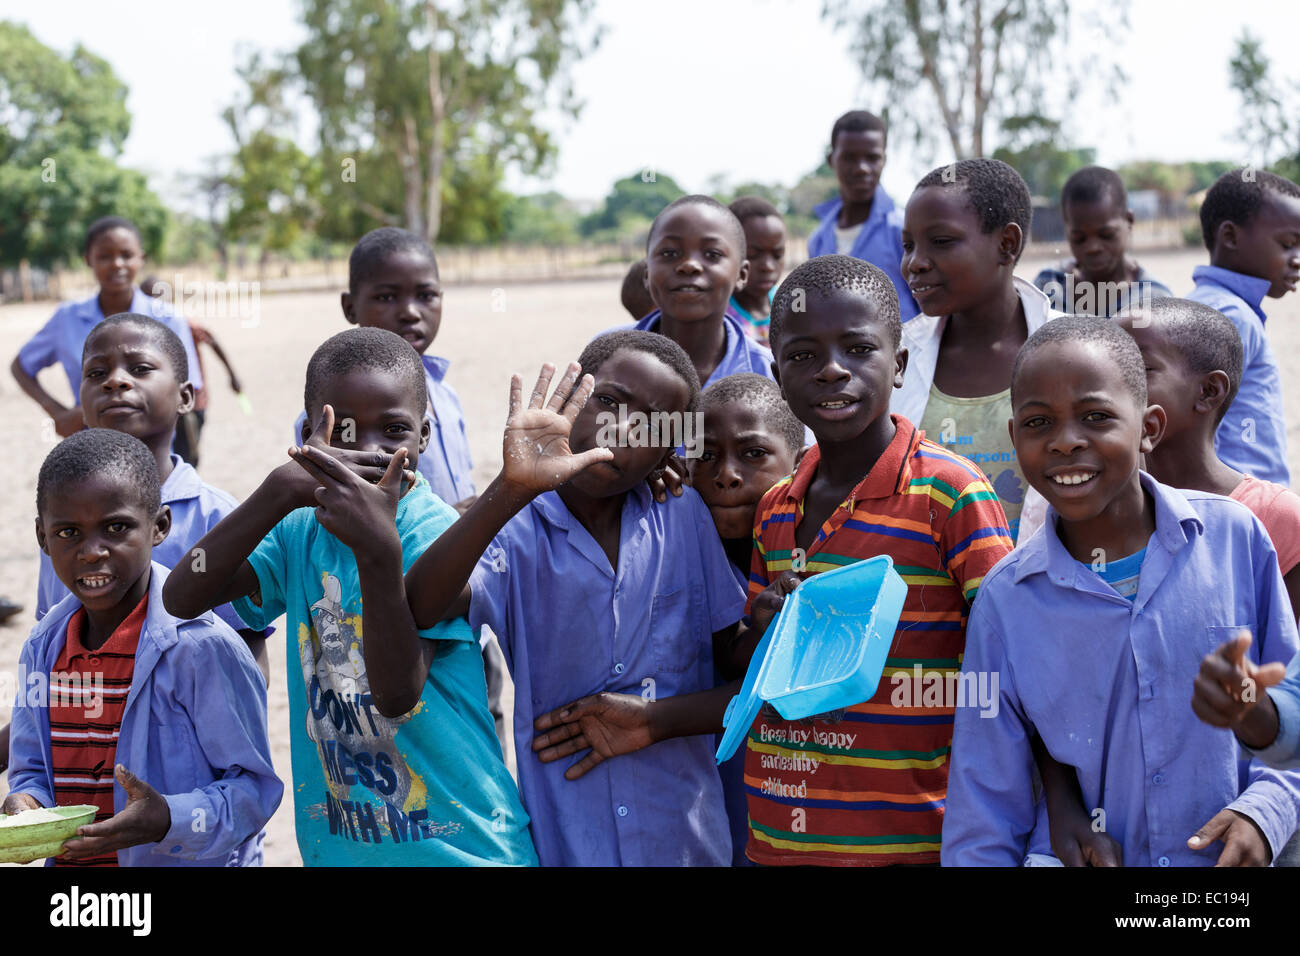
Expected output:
{"points": [[395, 758]]}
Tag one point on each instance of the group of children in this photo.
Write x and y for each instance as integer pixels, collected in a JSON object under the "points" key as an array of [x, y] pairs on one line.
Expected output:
{"points": [[1056, 491]]}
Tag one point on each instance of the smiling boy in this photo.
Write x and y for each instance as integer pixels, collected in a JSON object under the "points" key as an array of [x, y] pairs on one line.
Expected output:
{"points": [[181, 712], [1250, 221], [1096, 626]]}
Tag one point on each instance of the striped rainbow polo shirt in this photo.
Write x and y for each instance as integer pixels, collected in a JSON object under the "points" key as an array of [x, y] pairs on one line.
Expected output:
{"points": [[866, 786]]}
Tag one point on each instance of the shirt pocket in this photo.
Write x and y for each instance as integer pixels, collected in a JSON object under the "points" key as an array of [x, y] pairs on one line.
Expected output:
{"points": [[1217, 634], [678, 628]]}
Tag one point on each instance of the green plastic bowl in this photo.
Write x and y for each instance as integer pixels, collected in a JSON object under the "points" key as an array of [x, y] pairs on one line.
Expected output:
{"points": [[23, 843]]}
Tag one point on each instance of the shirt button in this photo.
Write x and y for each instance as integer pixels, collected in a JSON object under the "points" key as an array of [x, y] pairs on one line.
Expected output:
{"points": [[618, 668], [1158, 778], [93, 661], [622, 811], [1163, 861]]}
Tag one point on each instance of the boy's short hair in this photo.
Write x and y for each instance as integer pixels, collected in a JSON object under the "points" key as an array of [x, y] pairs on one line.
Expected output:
{"points": [[696, 199], [1117, 343], [1206, 339], [634, 296], [762, 395], [826, 274], [859, 121], [376, 246], [166, 341], [1093, 184], [600, 349], [996, 192], [752, 207], [1234, 199], [370, 349], [107, 223], [100, 452]]}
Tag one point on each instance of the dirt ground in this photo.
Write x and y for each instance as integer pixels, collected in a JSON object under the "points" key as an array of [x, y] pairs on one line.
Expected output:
{"points": [[487, 332]]}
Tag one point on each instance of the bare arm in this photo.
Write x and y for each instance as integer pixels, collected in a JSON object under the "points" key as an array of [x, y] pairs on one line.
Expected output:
{"points": [[67, 421]]}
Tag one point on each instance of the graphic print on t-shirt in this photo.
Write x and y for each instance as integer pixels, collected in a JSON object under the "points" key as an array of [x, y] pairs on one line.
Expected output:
{"points": [[373, 796]]}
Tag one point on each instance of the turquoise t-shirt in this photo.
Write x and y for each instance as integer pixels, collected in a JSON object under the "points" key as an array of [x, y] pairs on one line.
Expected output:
{"points": [[1124, 575], [426, 789]]}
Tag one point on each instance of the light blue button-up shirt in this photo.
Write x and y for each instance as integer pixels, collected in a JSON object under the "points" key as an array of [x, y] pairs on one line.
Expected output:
{"points": [[446, 463], [1252, 435], [879, 241], [1107, 686], [743, 354], [62, 339], [571, 625], [194, 729], [195, 506]]}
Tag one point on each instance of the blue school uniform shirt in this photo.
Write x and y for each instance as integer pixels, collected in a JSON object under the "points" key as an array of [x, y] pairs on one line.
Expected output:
{"points": [[61, 339], [429, 788], [571, 625], [1284, 751], [879, 241], [194, 729], [1252, 436], [195, 506], [1105, 682], [743, 352], [446, 463], [1056, 282]]}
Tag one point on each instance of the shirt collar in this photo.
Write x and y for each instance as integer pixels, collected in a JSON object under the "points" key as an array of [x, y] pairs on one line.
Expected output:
{"points": [[881, 205], [183, 483], [132, 624], [554, 511], [1250, 289], [1037, 306], [436, 366], [141, 304], [1176, 524], [887, 476]]}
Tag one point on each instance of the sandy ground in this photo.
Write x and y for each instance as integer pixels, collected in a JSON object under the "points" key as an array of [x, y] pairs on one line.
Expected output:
{"points": [[487, 332]]}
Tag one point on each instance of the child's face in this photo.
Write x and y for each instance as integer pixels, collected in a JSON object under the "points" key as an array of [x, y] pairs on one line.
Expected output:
{"points": [[949, 264], [128, 385], [373, 411], [1170, 383], [1268, 245], [115, 257], [638, 382], [765, 242], [402, 296], [100, 539], [742, 459], [836, 365], [857, 159], [1098, 233], [693, 264], [1077, 429]]}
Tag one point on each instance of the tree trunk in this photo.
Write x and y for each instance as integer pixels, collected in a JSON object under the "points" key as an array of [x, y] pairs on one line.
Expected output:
{"points": [[409, 156], [437, 109]]}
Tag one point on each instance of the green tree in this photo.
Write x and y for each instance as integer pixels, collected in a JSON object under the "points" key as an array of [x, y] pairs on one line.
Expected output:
{"points": [[957, 65], [1266, 122], [424, 106], [1034, 153], [64, 123], [545, 219], [631, 202]]}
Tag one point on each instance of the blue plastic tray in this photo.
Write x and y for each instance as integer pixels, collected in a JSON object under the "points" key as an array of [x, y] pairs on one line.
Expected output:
{"points": [[826, 649]]}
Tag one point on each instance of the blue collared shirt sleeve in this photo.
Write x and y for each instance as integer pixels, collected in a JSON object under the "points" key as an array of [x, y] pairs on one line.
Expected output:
{"points": [[723, 592], [227, 703], [1271, 797], [489, 601], [29, 742], [989, 813], [1284, 752], [42, 349]]}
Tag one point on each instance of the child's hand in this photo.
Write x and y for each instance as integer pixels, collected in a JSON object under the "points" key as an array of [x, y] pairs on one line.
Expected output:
{"points": [[1243, 843], [1229, 692], [146, 818], [771, 599], [18, 802], [300, 487], [673, 476], [536, 449], [1076, 843], [69, 421], [361, 515], [609, 724]]}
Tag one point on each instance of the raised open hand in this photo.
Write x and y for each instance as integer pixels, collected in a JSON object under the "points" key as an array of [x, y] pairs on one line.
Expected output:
{"points": [[536, 448]]}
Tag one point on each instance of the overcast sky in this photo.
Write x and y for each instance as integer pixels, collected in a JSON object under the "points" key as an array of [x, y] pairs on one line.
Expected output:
{"points": [[747, 88]]}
